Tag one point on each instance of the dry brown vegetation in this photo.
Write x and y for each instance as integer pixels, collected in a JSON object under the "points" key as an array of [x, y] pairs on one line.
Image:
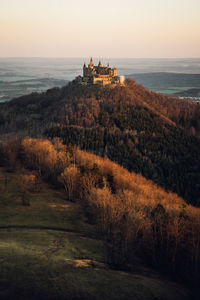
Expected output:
{"points": [[141, 218], [137, 219]]}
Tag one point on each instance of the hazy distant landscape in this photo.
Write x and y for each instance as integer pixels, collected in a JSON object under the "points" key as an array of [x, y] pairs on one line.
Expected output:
{"points": [[21, 76], [174, 84], [10, 90]]}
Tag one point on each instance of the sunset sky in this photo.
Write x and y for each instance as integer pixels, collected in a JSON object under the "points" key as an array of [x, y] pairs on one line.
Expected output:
{"points": [[106, 28]]}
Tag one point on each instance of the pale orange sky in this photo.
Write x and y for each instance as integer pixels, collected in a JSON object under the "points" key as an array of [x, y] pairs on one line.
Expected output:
{"points": [[106, 28]]}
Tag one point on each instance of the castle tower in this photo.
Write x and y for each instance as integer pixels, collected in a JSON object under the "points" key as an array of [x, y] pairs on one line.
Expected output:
{"points": [[114, 72], [100, 65], [91, 65], [84, 70]]}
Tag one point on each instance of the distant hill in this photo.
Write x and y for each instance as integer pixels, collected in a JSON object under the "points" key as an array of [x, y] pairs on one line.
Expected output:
{"points": [[168, 83], [189, 93], [146, 132], [164, 79], [13, 89]]}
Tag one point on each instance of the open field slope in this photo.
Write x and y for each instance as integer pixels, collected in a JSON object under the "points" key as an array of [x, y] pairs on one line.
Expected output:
{"points": [[49, 251]]}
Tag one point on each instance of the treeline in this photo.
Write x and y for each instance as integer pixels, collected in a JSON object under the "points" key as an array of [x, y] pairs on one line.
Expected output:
{"points": [[137, 219]]}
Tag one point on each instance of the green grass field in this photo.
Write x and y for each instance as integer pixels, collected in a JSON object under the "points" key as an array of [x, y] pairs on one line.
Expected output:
{"points": [[49, 251]]}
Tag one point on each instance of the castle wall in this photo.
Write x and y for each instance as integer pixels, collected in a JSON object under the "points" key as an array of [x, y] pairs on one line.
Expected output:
{"points": [[102, 80]]}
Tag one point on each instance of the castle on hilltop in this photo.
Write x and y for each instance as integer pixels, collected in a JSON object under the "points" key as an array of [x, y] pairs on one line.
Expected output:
{"points": [[100, 75]]}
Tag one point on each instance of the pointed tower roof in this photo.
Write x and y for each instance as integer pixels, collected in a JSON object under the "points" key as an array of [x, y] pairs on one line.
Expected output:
{"points": [[91, 61], [99, 65]]}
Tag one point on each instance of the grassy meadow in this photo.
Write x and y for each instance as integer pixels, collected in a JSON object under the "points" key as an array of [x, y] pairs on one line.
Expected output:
{"points": [[49, 251]]}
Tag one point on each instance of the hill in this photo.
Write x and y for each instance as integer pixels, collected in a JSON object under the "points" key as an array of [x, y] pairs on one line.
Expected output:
{"points": [[69, 241], [11, 89], [189, 93], [167, 83], [143, 131]]}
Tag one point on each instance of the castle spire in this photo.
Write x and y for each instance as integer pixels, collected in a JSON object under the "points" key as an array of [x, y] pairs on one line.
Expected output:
{"points": [[99, 65], [91, 62]]}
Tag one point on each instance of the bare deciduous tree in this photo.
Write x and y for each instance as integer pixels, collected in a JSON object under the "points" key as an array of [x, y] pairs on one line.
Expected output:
{"points": [[69, 179]]}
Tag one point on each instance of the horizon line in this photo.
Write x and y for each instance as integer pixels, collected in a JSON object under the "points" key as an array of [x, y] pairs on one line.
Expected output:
{"points": [[102, 57]]}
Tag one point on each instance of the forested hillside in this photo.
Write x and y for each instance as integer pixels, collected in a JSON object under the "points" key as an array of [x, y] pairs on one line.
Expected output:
{"points": [[71, 221], [146, 132]]}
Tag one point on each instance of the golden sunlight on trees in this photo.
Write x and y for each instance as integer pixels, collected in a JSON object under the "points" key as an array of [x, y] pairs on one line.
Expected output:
{"points": [[50, 159], [136, 218], [69, 179], [141, 219]]}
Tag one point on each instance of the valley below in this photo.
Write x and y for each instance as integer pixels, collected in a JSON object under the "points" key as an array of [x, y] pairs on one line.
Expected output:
{"points": [[14, 89]]}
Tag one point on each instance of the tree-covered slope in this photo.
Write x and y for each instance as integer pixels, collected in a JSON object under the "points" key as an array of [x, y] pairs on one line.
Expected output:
{"points": [[135, 127]]}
